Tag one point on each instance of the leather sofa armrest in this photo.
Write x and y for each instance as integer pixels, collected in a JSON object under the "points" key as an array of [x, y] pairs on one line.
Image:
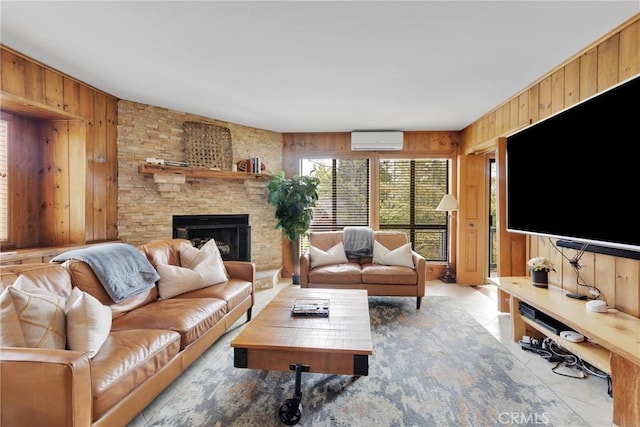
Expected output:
{"points": [[45, 387], [421, 268], [305, 263], [243, 270]]}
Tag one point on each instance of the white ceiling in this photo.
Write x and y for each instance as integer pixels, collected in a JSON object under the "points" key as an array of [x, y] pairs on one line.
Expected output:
{"points": [[312, 66]]}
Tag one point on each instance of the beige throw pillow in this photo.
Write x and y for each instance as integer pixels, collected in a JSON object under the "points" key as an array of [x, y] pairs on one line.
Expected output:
{"points": [[10, 329], [401, 256], [199, 269], [211, 247], [41, 315], [88, 322], [335, 255]]}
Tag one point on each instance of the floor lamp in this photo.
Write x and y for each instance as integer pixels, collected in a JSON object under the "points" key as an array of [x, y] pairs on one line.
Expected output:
{"points": [[448, 204]]}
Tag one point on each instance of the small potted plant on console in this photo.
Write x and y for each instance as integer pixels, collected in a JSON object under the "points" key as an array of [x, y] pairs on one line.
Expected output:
{"points": [[540, 268]]}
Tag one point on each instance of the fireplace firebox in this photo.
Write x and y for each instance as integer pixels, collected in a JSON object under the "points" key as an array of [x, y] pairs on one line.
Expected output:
{"points": [[232, 233]]}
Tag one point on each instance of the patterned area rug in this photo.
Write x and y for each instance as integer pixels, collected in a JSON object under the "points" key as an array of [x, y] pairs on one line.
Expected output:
{"points": [[430, 367]]}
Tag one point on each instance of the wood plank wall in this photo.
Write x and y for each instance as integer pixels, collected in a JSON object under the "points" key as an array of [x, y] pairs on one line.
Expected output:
{"points": [[68, 190], [606, 62]]}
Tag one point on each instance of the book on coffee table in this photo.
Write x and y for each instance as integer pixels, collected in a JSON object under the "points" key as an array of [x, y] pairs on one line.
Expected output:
{"points": [[310, 307]]}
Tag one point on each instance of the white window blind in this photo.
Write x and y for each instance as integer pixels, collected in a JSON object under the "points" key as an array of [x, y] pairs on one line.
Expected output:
{"points": [[343, 192], [409, 192]]}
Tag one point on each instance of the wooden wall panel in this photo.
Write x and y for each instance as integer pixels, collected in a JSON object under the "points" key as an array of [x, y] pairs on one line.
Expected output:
{"points": [[46, 180], [557, 91], [608, 62], [71, 92], [34, 82], [61, 177], [629, 51], [53, 89], [605, 277], [77, 171], [12, 78], [627, 289], [544, 98], [589, 74], [99, 189], [112, 170], [77, 175], [572, 83], [87, 110]]}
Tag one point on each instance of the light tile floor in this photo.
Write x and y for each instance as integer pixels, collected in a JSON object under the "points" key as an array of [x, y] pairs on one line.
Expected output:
{"points": [[588, 396]]}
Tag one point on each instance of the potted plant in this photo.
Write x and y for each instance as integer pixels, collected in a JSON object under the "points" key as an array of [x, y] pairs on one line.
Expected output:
{"points": [[540, 267], [294, 199]]}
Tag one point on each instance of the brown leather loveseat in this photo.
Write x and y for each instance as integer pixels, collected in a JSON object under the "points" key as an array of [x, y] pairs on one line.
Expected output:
{"points": [[150, 343], [378, 279]]}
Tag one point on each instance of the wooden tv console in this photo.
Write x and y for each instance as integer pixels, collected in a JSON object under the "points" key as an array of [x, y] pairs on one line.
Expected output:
{"points": [[617, 335]]}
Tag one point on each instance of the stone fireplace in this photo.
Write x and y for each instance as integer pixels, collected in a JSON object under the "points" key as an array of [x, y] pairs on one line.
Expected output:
{"points": [[231, 232], [146, 209]]}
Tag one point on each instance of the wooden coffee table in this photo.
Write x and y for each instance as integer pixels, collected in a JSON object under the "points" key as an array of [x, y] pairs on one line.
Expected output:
{"points": [[337, 344]]}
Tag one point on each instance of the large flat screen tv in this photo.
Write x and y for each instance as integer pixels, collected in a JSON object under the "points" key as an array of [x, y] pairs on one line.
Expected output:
{"points": [[576, 174]]}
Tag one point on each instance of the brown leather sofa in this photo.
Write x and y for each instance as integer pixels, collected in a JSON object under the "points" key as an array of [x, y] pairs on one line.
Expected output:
{"points": [[151, 342], [362, 273]]}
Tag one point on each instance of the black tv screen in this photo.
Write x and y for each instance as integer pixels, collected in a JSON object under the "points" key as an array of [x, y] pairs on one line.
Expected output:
{"points": [[576, 174]]}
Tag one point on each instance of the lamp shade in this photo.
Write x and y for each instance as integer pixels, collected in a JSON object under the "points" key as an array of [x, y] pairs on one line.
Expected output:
{"points": [[448, 203]]}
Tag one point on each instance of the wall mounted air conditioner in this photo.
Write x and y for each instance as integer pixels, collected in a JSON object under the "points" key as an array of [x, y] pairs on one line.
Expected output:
{"points": [[376, 141]]}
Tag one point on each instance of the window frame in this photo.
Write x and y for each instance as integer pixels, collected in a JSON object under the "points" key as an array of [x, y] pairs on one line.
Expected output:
{"points": [[9, 241]]}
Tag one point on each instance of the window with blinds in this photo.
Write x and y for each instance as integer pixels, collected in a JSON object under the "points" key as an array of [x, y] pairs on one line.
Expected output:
{"points": [[409, 193], [343, 193]]}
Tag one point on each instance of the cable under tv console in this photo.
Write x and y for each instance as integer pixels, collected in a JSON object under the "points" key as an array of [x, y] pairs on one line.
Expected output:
{"points": [[624, 253]]}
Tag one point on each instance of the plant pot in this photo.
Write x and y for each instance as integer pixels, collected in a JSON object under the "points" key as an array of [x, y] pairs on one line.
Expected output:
{"points": [[540, 278]]}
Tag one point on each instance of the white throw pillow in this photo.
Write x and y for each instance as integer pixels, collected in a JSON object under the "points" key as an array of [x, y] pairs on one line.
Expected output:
{"points": [[41, 315], [401, 256], [10, 329], [198, 270], [190, 256], [88, 322], [335, 255]]}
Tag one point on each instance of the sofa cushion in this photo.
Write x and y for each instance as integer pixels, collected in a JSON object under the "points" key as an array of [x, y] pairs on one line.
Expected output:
{"points": [[334, 255], [234, 292], [401, 256], [88, 322], [388, 275], [190, 317], [127, 359], [40, 314], [336, 273]]}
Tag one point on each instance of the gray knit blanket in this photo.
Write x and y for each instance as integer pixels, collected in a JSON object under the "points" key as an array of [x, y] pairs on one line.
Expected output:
{"points": [[122, 270], [358, 241]]}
